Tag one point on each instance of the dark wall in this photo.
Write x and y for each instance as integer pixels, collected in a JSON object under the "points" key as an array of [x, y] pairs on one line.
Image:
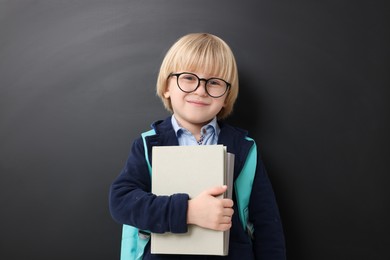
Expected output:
{"points": [[77, 85]]}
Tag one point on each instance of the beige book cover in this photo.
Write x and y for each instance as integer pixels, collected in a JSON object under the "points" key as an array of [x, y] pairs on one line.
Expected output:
{"points": [[191, 170]]}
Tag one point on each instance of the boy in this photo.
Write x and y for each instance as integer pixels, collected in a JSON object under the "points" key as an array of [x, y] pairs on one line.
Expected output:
{"points": [[198, 84]]}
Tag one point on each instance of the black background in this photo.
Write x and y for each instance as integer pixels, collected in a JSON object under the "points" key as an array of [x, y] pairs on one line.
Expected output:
{"points": [[77, 85]]}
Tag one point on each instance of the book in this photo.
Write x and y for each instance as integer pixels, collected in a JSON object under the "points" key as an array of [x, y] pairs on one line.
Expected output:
{"points": [[191, 170]]}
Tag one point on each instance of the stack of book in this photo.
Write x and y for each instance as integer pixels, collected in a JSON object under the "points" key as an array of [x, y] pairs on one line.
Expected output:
{"points": [[191, 170]]}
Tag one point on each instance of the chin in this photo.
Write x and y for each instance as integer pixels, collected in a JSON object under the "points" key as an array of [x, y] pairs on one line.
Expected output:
{"points": [[202, 121]]}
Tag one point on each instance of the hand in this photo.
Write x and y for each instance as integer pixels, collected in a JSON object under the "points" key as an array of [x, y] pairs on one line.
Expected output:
{"points": [[205, 210]]}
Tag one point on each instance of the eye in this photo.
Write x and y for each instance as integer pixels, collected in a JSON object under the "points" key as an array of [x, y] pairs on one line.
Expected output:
{"points": [[215, 82], [188, 77]]}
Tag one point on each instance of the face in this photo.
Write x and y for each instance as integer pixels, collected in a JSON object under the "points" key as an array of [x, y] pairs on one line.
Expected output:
{"points": [[193, 110]]}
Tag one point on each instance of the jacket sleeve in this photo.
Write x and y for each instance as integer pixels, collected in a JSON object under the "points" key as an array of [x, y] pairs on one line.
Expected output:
{"points": [[268, 243], [131, 201]]}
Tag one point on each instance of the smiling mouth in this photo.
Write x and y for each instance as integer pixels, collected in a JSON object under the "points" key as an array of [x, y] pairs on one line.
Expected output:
{"points": [[197, 103]]}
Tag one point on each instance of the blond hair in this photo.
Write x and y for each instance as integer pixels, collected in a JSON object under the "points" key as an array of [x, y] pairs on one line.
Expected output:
{"points": [[200, 52]]}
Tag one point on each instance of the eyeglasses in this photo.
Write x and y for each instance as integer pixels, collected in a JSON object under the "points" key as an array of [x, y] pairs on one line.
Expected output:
{"points": [[189, 82]]}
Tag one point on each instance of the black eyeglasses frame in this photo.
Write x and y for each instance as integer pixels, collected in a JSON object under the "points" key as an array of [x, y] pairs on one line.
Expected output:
{"points": [[228, 85]]}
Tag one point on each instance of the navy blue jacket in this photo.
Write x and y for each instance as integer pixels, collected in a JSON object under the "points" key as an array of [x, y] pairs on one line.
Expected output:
{"points": [[132, 203]]}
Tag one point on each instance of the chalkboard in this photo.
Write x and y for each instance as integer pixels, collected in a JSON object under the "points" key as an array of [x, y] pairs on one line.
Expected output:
{"points": [[77, 85]]}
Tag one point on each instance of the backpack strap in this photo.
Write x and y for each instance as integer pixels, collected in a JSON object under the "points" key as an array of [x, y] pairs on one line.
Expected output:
{"points": [[134, 240], [243, 187], [144, 135]]}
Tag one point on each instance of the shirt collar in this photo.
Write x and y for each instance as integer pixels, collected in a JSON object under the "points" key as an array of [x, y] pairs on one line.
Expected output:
{"points": [[178, 129]]}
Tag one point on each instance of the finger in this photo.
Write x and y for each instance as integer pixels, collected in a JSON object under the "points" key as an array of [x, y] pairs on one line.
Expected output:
{"points": [[224, 227], [217, 190], [227, 203], [226, 220], [228, 212]]}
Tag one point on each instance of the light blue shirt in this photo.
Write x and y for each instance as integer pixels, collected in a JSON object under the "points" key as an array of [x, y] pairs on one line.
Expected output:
{"points": [[210, 133]]}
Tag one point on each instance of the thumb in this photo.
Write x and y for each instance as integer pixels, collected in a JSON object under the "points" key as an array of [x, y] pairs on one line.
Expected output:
{"points": [[217, 190]]}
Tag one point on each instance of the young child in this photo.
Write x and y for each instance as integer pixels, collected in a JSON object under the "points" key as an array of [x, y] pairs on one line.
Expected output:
{"points": [[198, 84]]}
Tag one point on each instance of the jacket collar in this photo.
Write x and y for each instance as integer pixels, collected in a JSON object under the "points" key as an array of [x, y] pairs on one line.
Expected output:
{"points": [[165, 134]]}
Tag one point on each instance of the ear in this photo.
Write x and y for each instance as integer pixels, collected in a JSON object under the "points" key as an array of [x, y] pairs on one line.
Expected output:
{"points": [[167, 94], [225, 102]]}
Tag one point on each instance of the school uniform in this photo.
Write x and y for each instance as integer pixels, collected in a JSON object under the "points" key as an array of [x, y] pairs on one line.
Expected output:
{"points": [[132, 203]]}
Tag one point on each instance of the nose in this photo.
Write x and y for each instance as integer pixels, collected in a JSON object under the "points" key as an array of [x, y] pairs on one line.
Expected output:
{"points": [[201, 90]]}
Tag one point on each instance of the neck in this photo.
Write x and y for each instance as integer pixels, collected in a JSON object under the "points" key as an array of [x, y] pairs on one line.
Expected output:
{"points": [[193, 128]]}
